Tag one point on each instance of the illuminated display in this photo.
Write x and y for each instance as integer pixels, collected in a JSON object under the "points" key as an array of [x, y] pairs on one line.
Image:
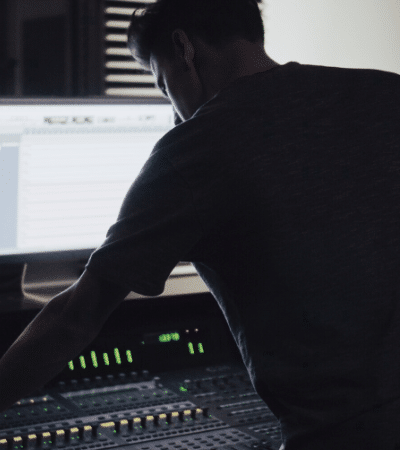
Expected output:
{"points": [[106, 360], [83, 362], [117, 356], [190, 345], [121, 356], [94, 359], [169, 337], [129, 356]]}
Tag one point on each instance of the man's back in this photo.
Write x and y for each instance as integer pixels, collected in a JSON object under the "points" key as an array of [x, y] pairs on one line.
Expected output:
{"points": [[284, 192]]}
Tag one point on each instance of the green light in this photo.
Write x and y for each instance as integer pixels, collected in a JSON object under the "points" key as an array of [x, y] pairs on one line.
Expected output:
{"points": [[117, 357], [201, 347], [190, 345], [71, 365], [83, 363], [94, 359], [106, 360], [164, 338], [129, 356], [175, 336], [183, 389]]}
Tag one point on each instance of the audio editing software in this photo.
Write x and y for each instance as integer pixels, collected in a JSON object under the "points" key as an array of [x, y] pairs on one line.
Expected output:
{"points": [[164, 373]]}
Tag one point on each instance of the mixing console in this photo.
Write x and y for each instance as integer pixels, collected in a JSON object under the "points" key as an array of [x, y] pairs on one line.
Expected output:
{"points": [[106, 399]]}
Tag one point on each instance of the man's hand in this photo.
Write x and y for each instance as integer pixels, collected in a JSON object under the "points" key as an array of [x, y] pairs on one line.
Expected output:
{"points": [[58, 334]]}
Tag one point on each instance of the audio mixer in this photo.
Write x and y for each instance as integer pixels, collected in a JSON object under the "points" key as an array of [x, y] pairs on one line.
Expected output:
{"points": [[163, 374]]}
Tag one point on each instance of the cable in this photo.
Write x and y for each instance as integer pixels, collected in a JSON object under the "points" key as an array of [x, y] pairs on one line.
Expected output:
{"points": [[26, 294]]}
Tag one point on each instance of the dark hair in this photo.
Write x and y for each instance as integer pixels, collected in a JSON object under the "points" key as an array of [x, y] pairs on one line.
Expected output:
{"points": [[214, 21]]}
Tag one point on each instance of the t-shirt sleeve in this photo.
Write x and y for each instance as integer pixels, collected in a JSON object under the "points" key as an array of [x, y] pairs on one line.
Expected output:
{"points": [[156, 227]]}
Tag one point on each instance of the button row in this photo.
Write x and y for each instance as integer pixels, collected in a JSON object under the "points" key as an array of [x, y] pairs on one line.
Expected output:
{"points": [[204, 383], [89, 432], [107, 378], [86, 433]]}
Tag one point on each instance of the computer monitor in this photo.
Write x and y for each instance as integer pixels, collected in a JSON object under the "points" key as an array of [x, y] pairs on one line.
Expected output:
{"points": [[66, 166]]}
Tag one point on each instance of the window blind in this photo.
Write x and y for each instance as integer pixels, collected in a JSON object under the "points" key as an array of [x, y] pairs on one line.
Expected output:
{"points": [[124, 77]]}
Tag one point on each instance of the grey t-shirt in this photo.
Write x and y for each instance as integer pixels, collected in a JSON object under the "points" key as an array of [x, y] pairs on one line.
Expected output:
{"points": [[284, 192]]}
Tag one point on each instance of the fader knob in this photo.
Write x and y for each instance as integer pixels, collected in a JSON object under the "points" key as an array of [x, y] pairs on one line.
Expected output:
{"points": [[87, 433], [145, 374], [150, 420], [3, 444], [124, 426], [17, 442], [174, 415], [136, 422], [59, 436], [46, 437], [74, 434], [31, 441]]}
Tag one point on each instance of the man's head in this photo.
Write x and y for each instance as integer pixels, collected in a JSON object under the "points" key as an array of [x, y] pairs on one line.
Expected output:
{"points": [[195, 47]]}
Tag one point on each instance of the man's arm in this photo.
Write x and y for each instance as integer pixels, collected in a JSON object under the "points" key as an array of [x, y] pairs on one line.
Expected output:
{"points": [[59, 333]]}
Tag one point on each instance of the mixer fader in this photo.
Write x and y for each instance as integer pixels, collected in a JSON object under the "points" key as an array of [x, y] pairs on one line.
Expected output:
{"points": [[194, 393]]}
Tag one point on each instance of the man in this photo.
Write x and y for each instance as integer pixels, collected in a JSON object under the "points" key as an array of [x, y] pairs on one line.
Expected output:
{"points": [[281, 186]]}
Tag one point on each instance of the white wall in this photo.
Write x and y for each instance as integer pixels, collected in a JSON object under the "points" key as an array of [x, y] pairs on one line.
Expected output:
{"points": [[337, 33]]}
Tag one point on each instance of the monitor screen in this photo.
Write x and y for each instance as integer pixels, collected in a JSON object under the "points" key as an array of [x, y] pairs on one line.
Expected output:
{"points": [[66, 166]]}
